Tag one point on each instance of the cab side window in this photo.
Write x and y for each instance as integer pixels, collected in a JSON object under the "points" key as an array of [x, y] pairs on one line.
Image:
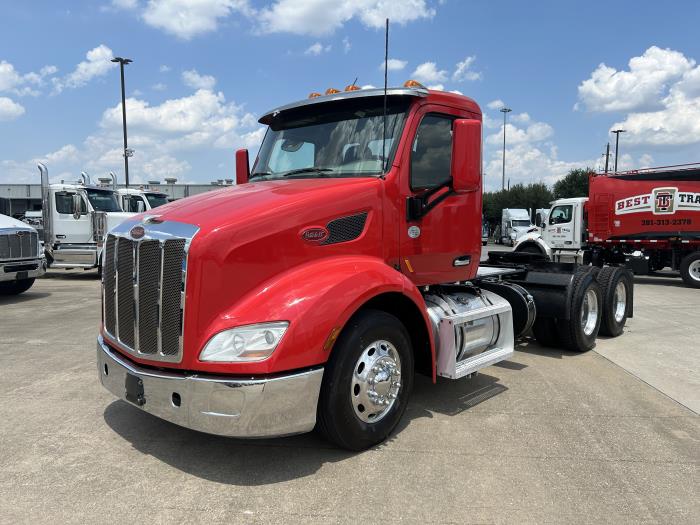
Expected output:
{"points": [[64, 203], [561, 214], [431, 154]]}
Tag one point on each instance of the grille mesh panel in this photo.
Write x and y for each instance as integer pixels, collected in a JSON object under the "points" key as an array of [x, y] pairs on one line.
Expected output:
{"points": [[171, 325], [149, 284], [125, 290], [346, 228], [109, 281], [23, 246]]}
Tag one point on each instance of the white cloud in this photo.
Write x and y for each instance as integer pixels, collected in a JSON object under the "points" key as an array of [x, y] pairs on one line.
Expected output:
{"points": [[97, 64], [125, 4], [394, 64], [428, 73], [535, 132], [9, 109], [11, 81], [496, 104], [164, 69], [640, 87], [463, 70], [346, 45], [316, 49], [520, 118], [660, 94], [188, 18], [318, 18], [159, 87], [194, 80]]}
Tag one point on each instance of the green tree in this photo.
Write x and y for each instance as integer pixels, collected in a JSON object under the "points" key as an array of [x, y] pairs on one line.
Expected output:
{"points": [[574, 184]]}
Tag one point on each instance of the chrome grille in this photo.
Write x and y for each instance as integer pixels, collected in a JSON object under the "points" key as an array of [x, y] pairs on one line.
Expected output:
{"points": [[143, 293], [18, 244]]}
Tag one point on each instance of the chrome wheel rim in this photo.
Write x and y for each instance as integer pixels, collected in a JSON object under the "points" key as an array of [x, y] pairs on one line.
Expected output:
{"points": [[376, 381], [620, 301], [589, 312], [694, 270]]}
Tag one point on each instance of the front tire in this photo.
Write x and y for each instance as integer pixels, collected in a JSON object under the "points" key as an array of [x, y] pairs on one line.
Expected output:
{"points": [[367, 381], [16, 287], [690, 270]]}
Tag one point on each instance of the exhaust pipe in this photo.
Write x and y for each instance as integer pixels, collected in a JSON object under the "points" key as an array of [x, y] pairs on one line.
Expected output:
{"points": [[85, 179], [114, 180], [46, 207]]}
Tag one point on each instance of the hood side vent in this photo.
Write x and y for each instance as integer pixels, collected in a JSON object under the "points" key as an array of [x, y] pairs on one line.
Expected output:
{"points": [[345, 228]]}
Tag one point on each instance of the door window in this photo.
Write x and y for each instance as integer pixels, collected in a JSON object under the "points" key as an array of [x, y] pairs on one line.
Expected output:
{"points": [[64, 203], [431, 154], [561, 214]]}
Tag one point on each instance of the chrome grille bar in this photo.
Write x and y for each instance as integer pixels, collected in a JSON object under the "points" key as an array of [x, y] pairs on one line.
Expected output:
{"points": [[109, 279]]}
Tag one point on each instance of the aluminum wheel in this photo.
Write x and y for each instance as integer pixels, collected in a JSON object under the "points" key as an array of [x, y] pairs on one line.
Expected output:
{"points": [[589, 312], [694, 270], [376, 381], [620, 300]]}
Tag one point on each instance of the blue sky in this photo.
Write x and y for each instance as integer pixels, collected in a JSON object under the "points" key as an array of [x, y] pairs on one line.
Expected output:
{"points": [[205, 70]]}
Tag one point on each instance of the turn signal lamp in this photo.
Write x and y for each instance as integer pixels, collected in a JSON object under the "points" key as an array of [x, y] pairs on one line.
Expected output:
{"points": [[332, 91], [413, 84], [352, 87], [314, 95]]}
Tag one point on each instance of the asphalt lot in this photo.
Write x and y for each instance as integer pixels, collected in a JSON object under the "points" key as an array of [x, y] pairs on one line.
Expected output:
{"points": [[610, 436]]}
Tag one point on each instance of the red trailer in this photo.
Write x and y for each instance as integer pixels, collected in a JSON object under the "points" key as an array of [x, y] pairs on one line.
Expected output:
{"points": [[649, 219]]}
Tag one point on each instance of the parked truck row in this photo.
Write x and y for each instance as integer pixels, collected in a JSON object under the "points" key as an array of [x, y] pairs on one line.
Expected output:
{"points": [[346, 261]]}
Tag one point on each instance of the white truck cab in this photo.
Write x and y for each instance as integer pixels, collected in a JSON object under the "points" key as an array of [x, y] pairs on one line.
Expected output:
{"points": [[131, 199], [21, 258], [76, 217], [561, 235], [515, 222]]}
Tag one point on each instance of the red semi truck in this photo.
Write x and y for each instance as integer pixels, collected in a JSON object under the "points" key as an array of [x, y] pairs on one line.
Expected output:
{"points": [[647, 219], [310, 293]]}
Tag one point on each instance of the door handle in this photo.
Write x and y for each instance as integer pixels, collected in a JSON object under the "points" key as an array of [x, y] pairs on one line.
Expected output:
{"points": [[463, 260]]}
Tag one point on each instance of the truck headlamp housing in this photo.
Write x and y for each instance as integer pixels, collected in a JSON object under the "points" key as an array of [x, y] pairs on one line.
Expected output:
{"points": [[254, 342]]}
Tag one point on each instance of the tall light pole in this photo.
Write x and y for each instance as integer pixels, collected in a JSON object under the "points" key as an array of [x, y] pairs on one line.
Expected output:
{"points": [[505, 111], [127, 152], [617, 143]]}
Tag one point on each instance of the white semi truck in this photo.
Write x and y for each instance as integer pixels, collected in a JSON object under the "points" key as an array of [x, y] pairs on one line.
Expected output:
{"points": [[21, 258], [515, 222], [76, 217], [137, 200]]}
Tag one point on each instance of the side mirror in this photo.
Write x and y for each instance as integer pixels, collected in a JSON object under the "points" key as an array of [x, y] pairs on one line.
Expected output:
{"points": [[242, 166], [538, 220], [77, 205], [140, 206], [466, 155]]}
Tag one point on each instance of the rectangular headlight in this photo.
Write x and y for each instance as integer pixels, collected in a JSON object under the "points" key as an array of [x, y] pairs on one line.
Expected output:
{"points": [[253, 342]]}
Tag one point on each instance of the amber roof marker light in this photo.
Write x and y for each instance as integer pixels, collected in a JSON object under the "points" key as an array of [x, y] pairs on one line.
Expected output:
{"points": [[413, 84]]}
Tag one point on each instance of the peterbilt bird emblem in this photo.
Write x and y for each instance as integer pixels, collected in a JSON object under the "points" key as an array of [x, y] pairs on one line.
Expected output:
{"points": [[315, 234], [137, 232], [21, 233]]}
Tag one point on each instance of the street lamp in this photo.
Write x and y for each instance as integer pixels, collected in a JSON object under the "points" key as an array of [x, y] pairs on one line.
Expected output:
{"points": [[505, 111], [617, 143], [127, 152]]}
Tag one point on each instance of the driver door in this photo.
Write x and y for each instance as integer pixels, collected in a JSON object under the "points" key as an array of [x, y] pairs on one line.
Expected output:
{"points": [[69, 230], [444, 245]]}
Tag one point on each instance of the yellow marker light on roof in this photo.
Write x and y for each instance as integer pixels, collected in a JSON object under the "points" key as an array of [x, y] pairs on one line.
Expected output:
{"points": [[332, 91], [352, 87], [413, 84], [314, 95]]}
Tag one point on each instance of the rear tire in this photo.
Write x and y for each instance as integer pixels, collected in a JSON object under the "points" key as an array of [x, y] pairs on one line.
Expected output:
{"points": [[690, 270], [579, 332], [356, 409], [545, 332], [617, 288], [16, 287]]}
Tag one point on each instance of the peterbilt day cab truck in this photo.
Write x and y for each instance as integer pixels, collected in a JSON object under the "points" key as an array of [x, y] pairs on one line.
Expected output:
{"points": [[21, 257], [514, 223], [75, 218], [310, 293], [647, 219], [136, 200]]}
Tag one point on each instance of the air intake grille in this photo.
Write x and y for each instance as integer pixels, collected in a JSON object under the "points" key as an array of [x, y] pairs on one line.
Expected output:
{"points": [[143, 290], [346, 228], [18, 244]]}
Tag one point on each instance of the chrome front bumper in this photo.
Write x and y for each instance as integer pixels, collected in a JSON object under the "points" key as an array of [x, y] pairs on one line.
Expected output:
{"points": [[26, 269], [233, 407]]}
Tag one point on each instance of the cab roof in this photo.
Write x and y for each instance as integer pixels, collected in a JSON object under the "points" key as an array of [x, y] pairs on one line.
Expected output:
{"points": [[434, 96]]}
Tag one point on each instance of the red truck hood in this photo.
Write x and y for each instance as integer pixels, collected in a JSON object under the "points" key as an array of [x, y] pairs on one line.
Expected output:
{"points": [[217, 210]]}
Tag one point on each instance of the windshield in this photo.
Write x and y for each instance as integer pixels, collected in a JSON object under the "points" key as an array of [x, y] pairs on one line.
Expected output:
{"points": [[521, 223], [346, 142], [103, 200], [156, 199]]}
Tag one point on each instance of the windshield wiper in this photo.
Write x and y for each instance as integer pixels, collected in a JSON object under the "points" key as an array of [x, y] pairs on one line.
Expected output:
{"points": [[261, 174], [307, 170]]}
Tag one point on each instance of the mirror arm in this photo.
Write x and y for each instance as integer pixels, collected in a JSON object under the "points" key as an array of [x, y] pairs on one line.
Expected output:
{"points": [[418, 206]]}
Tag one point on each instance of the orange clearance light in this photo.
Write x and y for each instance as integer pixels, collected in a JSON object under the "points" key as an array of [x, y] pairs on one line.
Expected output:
{"points": [[332, 91], [352, 87], [314, 95], [413, 84]]}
